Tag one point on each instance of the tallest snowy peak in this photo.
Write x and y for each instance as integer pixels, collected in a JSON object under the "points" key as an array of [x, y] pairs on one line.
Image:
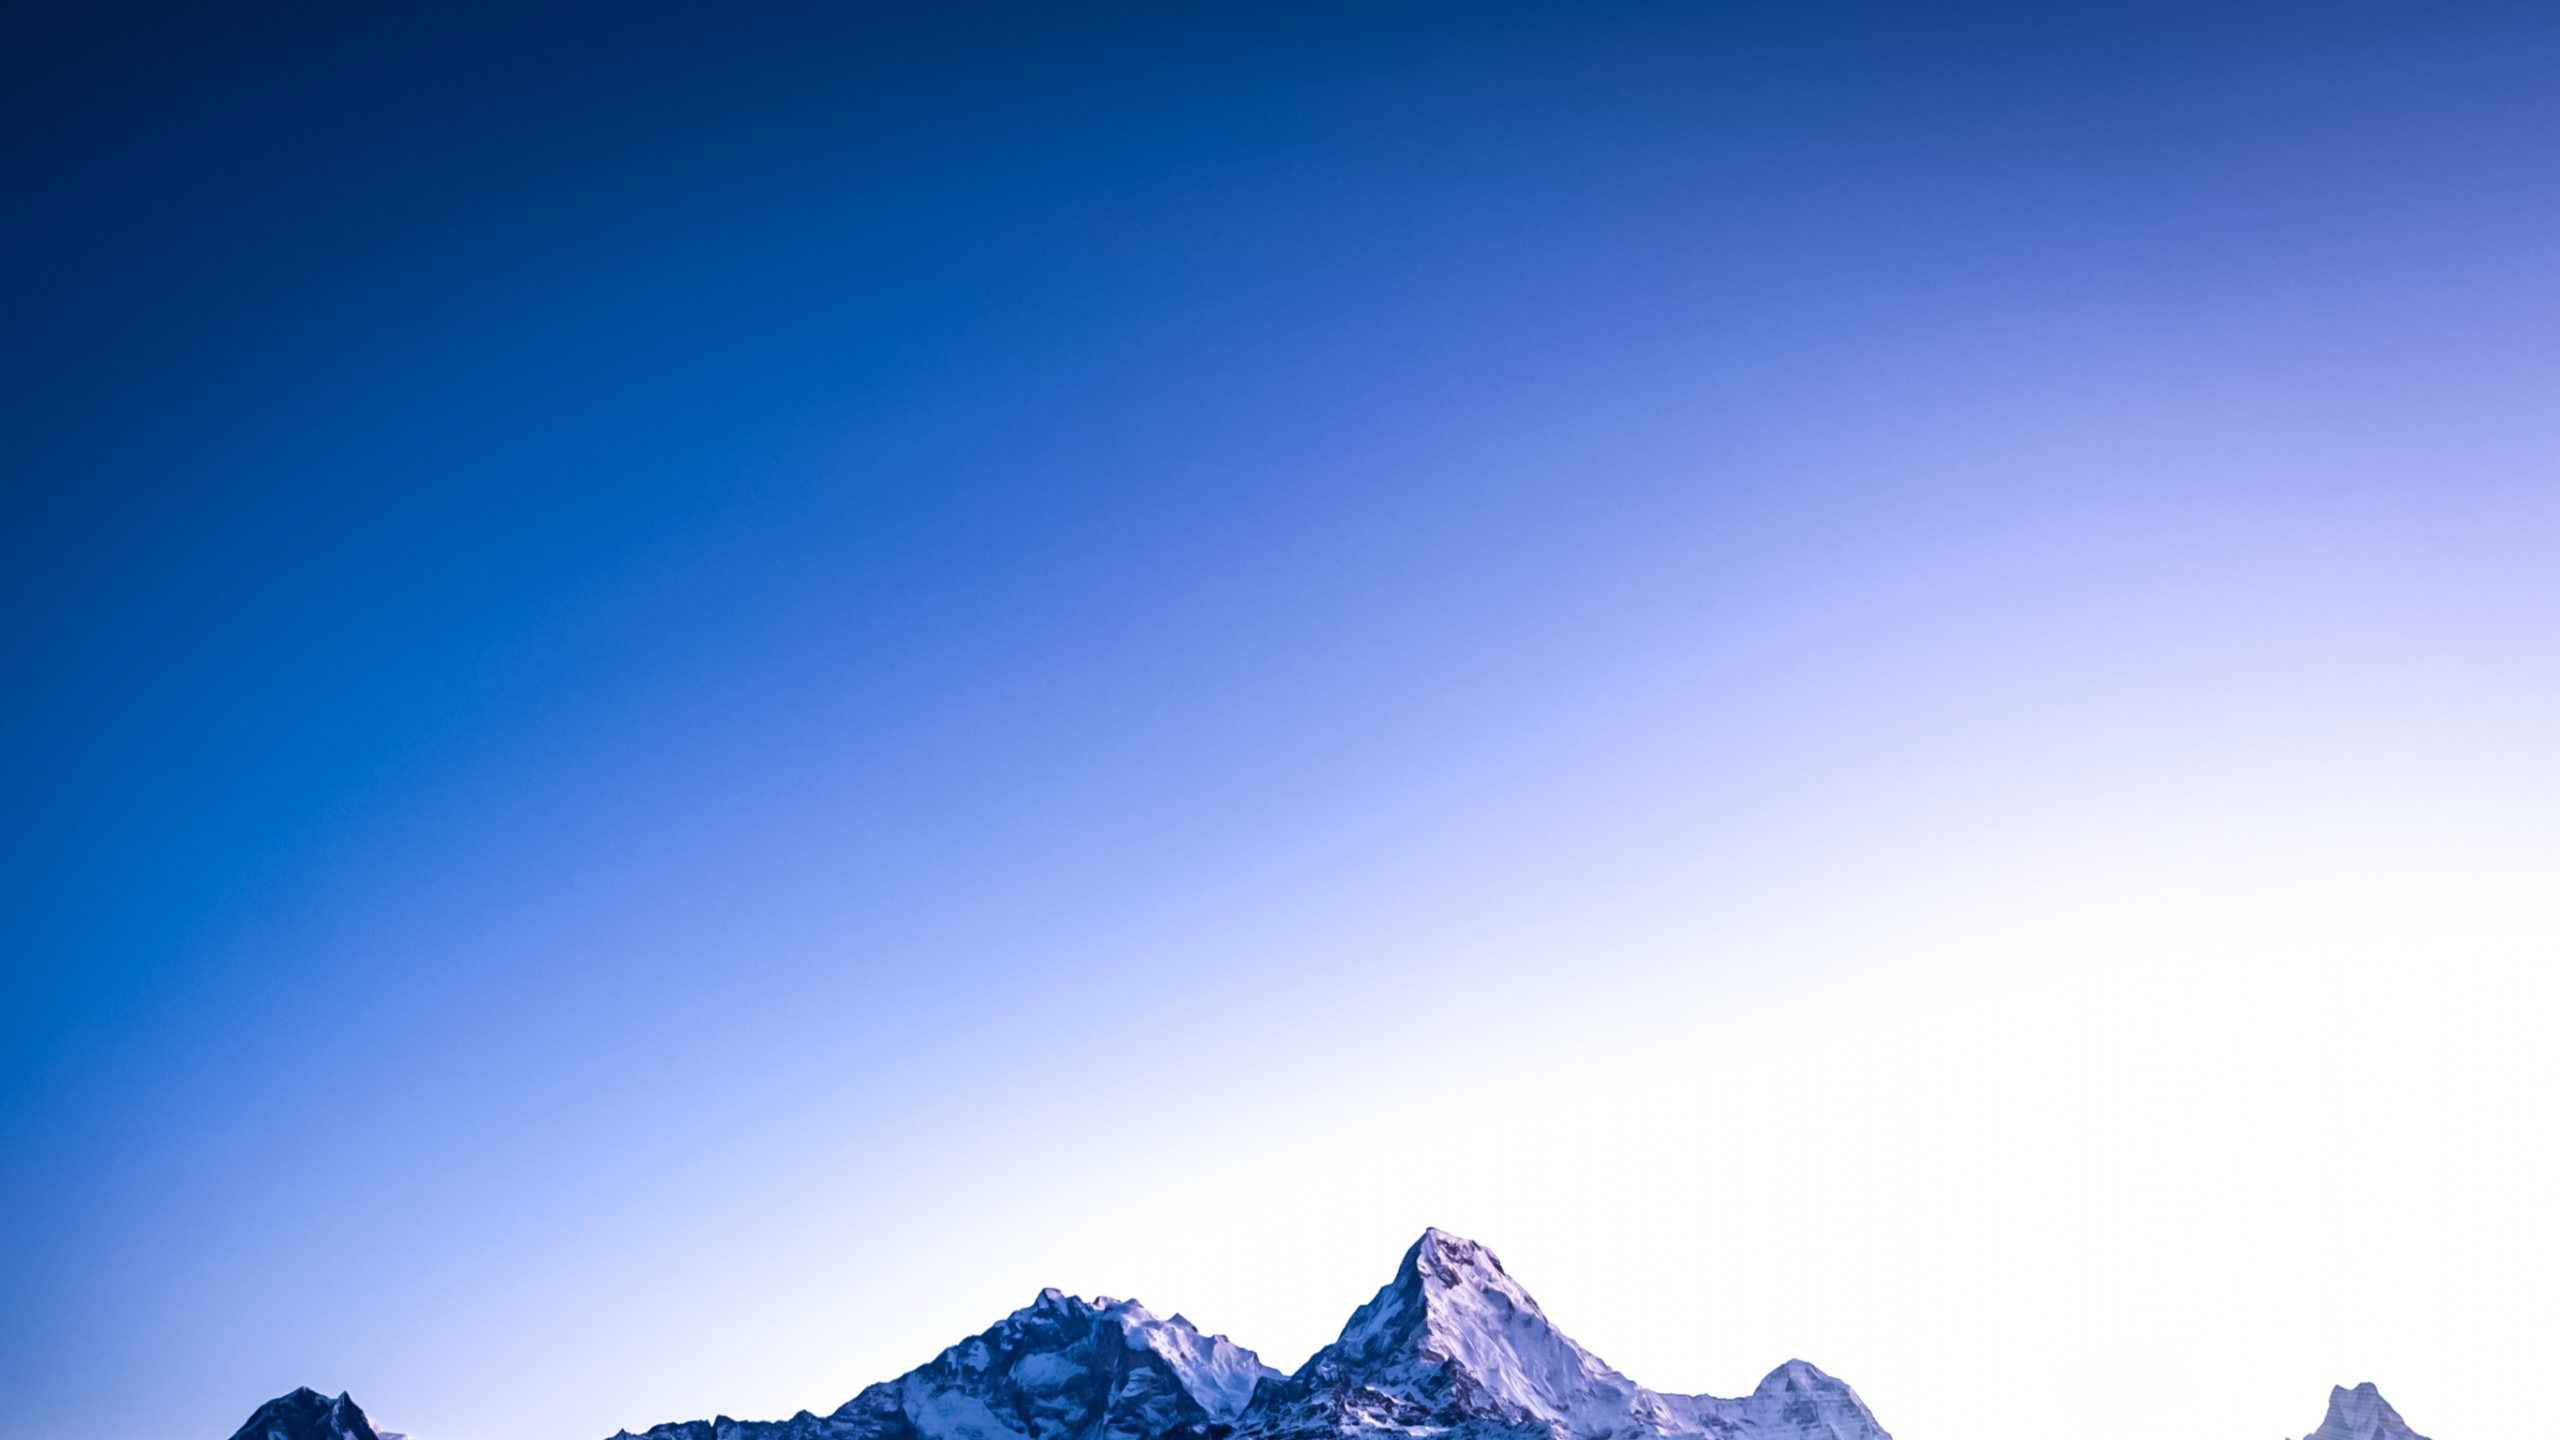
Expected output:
{"points": [[1443, 1247], [1452, 1303], [1454, 1347], [1453, 1331], [1445, 1260], [1457, 1290]]}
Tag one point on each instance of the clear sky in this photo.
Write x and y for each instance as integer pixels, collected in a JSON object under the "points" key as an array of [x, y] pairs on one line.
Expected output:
{"points": [[695, 693]]}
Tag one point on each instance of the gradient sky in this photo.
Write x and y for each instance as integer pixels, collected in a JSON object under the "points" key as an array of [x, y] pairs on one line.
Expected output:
{"points": [[694, 693]]}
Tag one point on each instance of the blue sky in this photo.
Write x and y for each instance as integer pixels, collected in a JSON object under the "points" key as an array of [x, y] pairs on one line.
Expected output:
{"points": [[699, 695]]}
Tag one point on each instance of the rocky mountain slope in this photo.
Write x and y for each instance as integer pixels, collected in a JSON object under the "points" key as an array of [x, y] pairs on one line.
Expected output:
{"points": [[1451, 1349], [1453, 1345], [2362, 1414], [306, 1414], [1060, 1368]]}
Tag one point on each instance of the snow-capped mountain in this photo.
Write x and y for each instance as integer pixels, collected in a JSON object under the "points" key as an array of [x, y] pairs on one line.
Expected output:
{"points": [[306, 1414], [1060, 1368], [1451, 1349], [2362, 1414], [1454, 1346]]}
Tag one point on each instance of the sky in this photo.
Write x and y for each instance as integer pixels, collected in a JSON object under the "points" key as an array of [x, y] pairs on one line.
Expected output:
{"points": [[694, 693]]}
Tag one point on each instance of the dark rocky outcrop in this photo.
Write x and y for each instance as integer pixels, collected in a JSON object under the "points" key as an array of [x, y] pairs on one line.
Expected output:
{"points": [[306, 1414]]}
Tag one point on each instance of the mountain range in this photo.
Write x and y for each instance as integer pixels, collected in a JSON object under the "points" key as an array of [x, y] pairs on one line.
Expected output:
{"points": [[1451, 1349]]}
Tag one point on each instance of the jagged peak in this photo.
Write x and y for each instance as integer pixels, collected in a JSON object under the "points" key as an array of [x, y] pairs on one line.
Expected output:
{"points": [[1218, 1373], [1447, 1281], [1130, 1315], [2361, 1414], [1455, 1340], [1454, 1328], [306, 1414], [1450, 1257], [1050, 1339]]}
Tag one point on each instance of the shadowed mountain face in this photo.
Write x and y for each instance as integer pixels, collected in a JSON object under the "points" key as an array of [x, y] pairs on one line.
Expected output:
{"points": [[2362, 1414], [1060, 1368], [306, 1414], [1452, 1347]]}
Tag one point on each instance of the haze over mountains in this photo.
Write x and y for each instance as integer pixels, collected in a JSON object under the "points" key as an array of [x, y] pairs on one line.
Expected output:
{"points": [[1451, 1349]]}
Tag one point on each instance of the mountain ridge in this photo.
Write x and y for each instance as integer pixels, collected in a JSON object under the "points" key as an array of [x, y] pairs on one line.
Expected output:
{"points": [[1060, 1368], [1452, 1348]]}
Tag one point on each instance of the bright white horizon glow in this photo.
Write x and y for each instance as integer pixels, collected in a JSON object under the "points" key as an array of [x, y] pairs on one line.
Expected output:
{"points": [[2187, 1031]]}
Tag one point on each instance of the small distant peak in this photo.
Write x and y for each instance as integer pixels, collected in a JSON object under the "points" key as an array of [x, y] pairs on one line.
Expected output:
{"points": [[2361, 1414]]}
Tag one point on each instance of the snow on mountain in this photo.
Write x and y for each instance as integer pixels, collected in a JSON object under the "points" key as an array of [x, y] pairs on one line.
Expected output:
{"points": [[1451, 1349], [2362, 1414], [1060, 1368], [1219, 1373], [306, 1414], [1454, 1346]]}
